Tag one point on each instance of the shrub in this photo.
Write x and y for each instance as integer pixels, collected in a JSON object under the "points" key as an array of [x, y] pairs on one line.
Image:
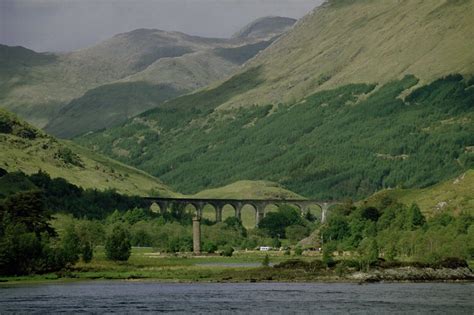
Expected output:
{"points": [[453, 263], [87, 252], [292, 264], [209, 247], [117, 244], [228, 251], [266, 261], [298, 251]]}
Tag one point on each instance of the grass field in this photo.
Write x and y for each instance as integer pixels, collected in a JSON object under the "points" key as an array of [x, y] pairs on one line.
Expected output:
{"points": [[144, 263]]}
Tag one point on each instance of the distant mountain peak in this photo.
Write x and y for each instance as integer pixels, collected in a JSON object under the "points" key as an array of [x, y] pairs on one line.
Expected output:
{"points": [[265, 27]]}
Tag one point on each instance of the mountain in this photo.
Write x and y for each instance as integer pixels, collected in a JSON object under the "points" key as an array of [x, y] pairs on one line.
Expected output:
{"points": [[368, 41], [76, 92], [358, 96], [111, 104], [265, 27], [27, 149]]}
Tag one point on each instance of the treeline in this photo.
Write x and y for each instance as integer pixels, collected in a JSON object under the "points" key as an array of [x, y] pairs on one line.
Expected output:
{"points": [[392, 231], [61, 196], [343, 143]]}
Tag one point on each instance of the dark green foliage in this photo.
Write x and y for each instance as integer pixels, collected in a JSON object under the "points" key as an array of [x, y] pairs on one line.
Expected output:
{"points": [[71, 245], [275, 223], [11, 183], [333, 145], [10, 124], [235, 224], [117, 245], [67, 156], [415, 218], [312, 266], [336, 229], [453, 263], [179, 244], [298, 251], [296, 233], [227, 251], [266, 261], [400, 232], [28, 244], [28, 209], [370, 213], [87, 252], [209, 247], [328, 250], [60, 196]]}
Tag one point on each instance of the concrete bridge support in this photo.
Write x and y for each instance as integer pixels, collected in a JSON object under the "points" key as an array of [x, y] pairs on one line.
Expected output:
{"points": [[197, 235], [219, 209], [259, 213]]}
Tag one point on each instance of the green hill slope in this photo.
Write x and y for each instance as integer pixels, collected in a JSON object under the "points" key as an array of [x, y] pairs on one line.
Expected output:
{"points": [[25, 148], [452, 196], [247, 189]]}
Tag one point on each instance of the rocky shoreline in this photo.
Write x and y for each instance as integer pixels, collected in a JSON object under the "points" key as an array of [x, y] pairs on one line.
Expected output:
{"points": [[414, 274]]}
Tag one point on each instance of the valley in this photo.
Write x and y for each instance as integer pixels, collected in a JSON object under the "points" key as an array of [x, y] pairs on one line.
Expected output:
{"points": [[366, 107]]}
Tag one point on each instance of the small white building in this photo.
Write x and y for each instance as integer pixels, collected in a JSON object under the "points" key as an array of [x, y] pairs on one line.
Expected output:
{"points": [[265, 248]]}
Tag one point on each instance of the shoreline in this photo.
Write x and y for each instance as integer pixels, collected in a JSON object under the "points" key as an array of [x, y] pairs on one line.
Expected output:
{"points": [[268, 275]]}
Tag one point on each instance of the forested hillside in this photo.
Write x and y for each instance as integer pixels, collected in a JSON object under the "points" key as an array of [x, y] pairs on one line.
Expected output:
{"points": [[346, 142]]}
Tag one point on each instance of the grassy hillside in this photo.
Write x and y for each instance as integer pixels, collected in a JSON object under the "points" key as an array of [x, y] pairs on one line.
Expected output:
{"points": [[452, 196], [367, 41], [247, 189], [24, 148], [107, 106]]}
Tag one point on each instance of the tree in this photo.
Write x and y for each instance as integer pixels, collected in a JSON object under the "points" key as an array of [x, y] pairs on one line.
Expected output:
{"points": [[28, 208], [369, 252], [275, 223], [87, 252], [337, 228], [227, 251], [296, 232], [117, 244], [370, 213], [266, 261], [209, 247], [71, 245], [414, 217]]}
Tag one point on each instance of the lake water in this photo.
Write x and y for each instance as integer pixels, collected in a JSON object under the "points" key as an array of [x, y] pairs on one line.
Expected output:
{"points": [[246, 298]]}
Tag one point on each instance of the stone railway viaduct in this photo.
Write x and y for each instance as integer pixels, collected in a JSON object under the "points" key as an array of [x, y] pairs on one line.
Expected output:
{"points": [[259, 206]]}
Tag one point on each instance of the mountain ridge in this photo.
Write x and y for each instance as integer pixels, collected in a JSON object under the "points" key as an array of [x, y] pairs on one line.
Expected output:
{"points": [[344, 139], [43, 92]]}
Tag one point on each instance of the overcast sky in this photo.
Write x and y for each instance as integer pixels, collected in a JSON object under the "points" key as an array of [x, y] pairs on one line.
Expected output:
{"points": [[64, 25]]}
